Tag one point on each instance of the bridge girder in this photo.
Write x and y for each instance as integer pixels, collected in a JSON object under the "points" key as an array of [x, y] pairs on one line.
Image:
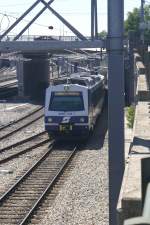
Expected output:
{"points": [[47, 46]]}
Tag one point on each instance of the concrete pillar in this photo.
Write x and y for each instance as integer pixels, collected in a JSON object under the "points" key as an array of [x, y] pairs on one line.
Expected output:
{"points": [[33, 76]]}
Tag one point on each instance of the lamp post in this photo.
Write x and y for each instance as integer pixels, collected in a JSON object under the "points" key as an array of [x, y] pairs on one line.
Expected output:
{"points": [[50, 27]]}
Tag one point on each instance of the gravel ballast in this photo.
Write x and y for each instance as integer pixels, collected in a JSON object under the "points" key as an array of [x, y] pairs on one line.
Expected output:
{"points": [[9, 171], [12, 111], [83, 200]]}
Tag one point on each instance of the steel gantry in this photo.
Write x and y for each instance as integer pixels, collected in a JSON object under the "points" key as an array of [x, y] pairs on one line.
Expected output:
{"points": [[94, 22], [115, 103], [142, 20], [114, 46], [47, 6]]}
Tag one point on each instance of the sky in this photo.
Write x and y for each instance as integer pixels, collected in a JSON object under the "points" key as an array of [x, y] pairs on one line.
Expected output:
{"points": [[77, 12]]}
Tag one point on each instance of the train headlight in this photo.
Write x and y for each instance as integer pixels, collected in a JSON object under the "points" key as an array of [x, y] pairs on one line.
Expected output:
{"points": [[66, 87], [82, 120], [49, 119]]}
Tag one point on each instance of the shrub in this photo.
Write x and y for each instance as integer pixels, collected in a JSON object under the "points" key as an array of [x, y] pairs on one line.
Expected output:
{"points": [[130, 116]]}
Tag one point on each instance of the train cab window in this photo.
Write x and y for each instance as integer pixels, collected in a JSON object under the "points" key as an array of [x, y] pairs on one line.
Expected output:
{"points": [[66, 101]]}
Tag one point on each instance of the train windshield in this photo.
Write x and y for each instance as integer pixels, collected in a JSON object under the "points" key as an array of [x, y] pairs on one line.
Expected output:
{"points": [[66, 101]]}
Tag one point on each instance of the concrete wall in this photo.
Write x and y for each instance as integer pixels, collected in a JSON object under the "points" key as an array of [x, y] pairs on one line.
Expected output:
{"points": [[130, 200], [147, 64]]}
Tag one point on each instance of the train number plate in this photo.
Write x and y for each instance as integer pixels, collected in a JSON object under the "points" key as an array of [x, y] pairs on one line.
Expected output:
{"points": [[65, 127]]}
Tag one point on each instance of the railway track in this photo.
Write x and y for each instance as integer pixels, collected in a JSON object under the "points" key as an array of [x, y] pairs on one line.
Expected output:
{"points": [[9, 77], [21, 123], [22, 147], [24, 198], [2, 70], [8, 89], [9, 84], [7, 74], [9, 93], [7, 70]]}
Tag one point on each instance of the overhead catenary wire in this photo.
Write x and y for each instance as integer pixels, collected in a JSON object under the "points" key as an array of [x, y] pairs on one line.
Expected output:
{"points": [[25, 20], [12, 5], [14, 17], [1, 21]]}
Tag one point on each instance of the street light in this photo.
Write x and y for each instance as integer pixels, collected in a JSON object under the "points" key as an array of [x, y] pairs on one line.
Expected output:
{"points": [[50, 28]]}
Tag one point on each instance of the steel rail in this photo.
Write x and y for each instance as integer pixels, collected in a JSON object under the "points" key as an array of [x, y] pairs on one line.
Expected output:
{"points": [[4, 78], [20, 142], [51, 184], [21, 152], [13, 187], [32, 178], [21, 127], [22, 118], [3, 87], [8, 93]]}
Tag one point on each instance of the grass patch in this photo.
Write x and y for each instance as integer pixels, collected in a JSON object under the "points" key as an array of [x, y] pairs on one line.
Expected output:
{"points": [[130, 116]]}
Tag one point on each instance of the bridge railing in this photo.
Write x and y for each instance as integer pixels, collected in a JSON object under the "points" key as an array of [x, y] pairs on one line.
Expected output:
{"points": [[43, 37]]}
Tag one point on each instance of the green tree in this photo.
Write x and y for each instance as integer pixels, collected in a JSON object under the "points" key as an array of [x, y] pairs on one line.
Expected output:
{"points": [[102, 34], [130, 116], [133, 21]]}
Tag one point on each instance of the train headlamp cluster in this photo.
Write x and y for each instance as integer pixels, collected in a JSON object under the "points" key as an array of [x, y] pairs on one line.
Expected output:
{"points": [[49, 119], [82, 119], [66, 87]]}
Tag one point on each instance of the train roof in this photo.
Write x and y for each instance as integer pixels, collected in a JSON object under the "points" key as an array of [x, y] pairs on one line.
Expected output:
{"points": [[83, 79]]}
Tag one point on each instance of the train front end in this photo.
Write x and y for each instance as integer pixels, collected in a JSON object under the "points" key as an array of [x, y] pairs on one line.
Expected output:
{"points": [[66, 111]]}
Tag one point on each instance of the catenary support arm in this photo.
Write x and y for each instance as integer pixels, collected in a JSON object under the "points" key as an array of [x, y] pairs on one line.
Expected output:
{"points": [[74, 30], [29, 24]]}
